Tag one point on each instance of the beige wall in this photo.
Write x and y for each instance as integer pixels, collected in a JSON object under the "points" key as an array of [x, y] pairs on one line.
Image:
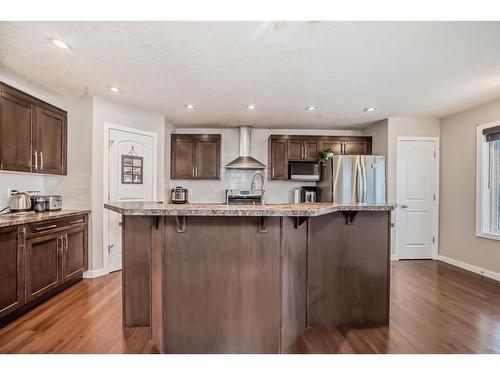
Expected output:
{"points": [[457, 224], [105, 111], [379, 134]]}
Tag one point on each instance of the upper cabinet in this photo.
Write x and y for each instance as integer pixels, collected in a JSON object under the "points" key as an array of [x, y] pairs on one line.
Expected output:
{"points": [[286, 148], [303, 149], [195, 156], [32, 134], [347, 145]]}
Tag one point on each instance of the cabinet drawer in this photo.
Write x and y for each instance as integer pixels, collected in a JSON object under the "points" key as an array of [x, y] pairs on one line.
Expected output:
{"points": [[54, 225]]}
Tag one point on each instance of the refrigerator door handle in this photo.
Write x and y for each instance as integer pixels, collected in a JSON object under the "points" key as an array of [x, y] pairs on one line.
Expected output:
{"points": [[363, 170], [359, 182]]}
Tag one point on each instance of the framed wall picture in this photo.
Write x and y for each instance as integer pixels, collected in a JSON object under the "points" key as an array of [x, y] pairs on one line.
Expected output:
{"points": [[132, 169]]}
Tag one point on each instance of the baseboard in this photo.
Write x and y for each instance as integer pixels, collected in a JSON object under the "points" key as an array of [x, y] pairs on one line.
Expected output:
{"points": [[470, 267], [95, 273]]}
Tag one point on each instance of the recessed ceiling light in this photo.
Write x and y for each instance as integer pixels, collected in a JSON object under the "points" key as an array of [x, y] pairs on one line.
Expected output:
{"points": [[60, 44], [189, 106], [369, 109], [311, 107], [114, 89], [251, 107]]}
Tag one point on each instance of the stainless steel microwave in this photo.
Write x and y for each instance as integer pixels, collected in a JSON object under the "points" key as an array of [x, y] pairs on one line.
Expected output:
{"points": [[305, 171]]}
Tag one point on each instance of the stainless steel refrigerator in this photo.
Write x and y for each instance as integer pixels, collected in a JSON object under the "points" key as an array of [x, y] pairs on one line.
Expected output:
{"points": [[350, 179]]}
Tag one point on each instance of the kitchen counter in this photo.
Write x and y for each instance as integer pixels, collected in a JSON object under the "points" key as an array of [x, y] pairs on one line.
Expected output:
{"points": [[7, 220], [194, 209], [215, 278]]}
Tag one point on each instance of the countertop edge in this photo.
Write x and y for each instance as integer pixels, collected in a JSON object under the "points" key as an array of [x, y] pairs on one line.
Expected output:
{"points": [[233, 211], [38, 217]]}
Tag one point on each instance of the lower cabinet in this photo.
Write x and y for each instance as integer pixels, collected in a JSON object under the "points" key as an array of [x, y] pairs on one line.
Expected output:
{"points": [[74, 254], [11, 269], [42, 265], [37, 258]]}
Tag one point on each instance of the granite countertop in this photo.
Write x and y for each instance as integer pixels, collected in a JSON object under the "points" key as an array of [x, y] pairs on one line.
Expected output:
{"points": [[7, 220], [195, 209]]}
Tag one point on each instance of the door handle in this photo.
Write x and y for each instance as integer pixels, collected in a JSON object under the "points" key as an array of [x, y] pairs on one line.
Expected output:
{"points": [[35, 153], [47, 227], [404, 206], [41, 160], [66, 242]]}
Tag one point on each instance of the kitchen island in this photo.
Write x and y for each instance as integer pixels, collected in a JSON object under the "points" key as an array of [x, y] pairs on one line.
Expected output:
{"points": [[251, 279]]}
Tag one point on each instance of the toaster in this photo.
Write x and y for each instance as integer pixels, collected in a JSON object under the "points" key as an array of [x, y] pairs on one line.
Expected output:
{"points": [[53, 203]]}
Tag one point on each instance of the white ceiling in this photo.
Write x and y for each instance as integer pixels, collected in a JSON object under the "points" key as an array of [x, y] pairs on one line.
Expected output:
{"points": [[428, 69]]}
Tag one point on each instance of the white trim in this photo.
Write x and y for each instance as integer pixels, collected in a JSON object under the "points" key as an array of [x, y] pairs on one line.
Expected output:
{"points": [[479, 182], [95, 273], [470, 267], [105, 180], [435, 250]]}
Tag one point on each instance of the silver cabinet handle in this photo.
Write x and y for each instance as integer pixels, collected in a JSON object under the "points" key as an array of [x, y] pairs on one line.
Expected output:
{"points": [[66, 242], [76, 221], [41, 160], [194, 175], [36, 160], [341, 147], [272, 172], [47, 227], [404, 206], [305, 152], [195, 171], [60, 244]]}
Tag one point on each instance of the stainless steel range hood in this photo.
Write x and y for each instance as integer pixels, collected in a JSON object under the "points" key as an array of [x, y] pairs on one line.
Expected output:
{"points": [[245, 161]]}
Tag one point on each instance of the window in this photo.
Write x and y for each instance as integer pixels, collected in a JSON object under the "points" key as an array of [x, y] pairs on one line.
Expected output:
{"points": [[488, 181]]}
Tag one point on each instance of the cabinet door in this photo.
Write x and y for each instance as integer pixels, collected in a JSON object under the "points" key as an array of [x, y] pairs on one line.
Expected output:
{"points": [[12, 241], [279, 161], [182, 161], [42, 264], [207, 159], [50, 141], [74, 245], [356, 147], [335, 145], [295, 150], [311, 150], [15, 133]]}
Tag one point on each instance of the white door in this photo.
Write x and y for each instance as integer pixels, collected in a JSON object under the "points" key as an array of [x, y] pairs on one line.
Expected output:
{"points": [[127, 187], [417, 194]]}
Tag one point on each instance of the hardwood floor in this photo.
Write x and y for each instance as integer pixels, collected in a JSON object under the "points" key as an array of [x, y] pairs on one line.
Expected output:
{"points": [[435, 308]]}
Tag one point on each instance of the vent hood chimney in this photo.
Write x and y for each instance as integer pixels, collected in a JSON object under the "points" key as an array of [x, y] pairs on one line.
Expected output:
{"points": [[245, 161]]}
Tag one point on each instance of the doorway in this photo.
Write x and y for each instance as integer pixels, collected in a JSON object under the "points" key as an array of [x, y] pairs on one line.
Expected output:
{"points": [[417, 195], [130, 174]]}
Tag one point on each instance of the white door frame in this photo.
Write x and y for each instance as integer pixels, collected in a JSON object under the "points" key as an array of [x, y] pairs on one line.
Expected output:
{"points": [[435, 251], [105, 180]]}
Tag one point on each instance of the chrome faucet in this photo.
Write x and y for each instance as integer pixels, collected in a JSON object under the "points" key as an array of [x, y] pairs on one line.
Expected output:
{"points": [[253, 190]]}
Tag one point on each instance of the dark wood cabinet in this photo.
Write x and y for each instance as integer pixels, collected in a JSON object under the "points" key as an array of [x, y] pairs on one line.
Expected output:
{"points": [[38, 260], [311, 150], [303, 150], [195, 156], [278, 166], [33, 134], [12, 240], [51, 141], [16, 114], [286, 148], [348, 145], [74, 245], [207, 158], [43, 263]]}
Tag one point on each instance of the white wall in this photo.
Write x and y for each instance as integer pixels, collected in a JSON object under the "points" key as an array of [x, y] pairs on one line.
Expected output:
{"points": [[105, 111], [214, 191], [75, 187], [457, 224]]}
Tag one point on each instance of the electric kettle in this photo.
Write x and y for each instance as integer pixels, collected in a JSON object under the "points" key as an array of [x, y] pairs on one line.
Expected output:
{"points": [[20, 202]]}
